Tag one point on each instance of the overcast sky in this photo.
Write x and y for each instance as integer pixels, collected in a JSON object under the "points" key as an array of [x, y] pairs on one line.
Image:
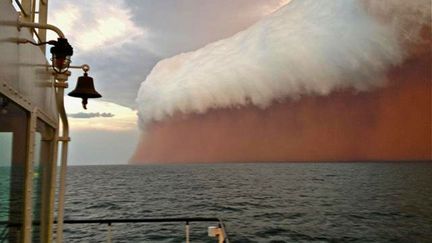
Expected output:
{"points": [[122, 41]]}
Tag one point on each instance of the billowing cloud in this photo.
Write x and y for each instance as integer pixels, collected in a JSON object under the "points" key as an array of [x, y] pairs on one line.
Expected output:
{"points": [[90, 115], [123, 40], [307, 47], [140, 34]]}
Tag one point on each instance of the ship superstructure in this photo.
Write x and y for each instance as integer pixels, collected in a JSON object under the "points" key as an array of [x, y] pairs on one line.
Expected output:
{"points": [[34, 130], [29, 125]]}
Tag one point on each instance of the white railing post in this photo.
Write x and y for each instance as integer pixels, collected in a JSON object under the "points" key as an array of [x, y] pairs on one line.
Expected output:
{"points": [[187, 231], [109, 237], [61, 84]]}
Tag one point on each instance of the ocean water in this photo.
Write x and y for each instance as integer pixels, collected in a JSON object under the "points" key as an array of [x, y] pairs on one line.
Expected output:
{"points": [[262, 202]]}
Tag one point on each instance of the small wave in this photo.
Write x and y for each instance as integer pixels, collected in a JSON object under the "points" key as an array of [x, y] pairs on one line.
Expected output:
{"points": [[104, 205], [272, 231]]}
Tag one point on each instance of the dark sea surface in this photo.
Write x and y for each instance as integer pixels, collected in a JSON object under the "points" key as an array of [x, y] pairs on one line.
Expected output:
{"points": [[263, 202]]}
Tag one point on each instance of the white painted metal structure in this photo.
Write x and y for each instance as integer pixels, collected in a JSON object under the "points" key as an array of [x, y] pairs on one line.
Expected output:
{"points": [[33, 125], [28, 83]]}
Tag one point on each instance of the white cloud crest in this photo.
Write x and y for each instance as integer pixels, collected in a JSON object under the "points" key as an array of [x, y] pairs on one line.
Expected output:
{"points": [[307, 47]]}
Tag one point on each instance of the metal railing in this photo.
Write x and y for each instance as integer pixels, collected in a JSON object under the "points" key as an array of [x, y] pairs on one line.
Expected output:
{"points": [[219, 232]]}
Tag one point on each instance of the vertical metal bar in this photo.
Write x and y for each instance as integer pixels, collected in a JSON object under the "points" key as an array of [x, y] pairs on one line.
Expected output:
{"points": [[32, 11], [43, 18], [61, 85], [62, 190], [28, 179], [53, 183], [26, 8], [47, 236], [187, 232], [109, 237]]}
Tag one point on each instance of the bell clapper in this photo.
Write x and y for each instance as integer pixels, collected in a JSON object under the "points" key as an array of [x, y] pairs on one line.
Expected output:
{"points": [[84, 103]]}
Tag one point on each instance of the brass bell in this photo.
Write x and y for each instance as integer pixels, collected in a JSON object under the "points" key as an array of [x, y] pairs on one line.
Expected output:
{"points": [[85, 89]]}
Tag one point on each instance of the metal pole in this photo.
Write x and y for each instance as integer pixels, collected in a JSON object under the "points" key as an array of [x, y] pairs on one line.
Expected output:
{"points": [[43, 19], [109, 233], [187, 232], [28, 180], [41, 26], [64, 139]]}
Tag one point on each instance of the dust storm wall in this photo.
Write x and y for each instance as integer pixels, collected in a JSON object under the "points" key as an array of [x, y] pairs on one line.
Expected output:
{"points": [[316, 81], [387, 124]]}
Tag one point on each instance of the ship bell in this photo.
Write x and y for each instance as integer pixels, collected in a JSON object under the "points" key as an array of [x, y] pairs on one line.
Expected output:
{"points": [[85, 89]]}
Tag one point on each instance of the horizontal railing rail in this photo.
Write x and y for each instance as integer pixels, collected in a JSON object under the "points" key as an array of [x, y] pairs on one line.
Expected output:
{"points": [[139, 220]]}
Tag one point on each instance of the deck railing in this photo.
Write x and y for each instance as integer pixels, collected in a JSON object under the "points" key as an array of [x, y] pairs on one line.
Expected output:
{"points": [[215, 231]]}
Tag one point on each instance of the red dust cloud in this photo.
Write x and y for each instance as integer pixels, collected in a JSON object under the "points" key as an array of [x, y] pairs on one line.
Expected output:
{"points": [[392, 123]]}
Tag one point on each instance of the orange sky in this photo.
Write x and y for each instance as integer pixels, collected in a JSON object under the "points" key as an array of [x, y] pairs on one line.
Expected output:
{"points": [[387, 124]]}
